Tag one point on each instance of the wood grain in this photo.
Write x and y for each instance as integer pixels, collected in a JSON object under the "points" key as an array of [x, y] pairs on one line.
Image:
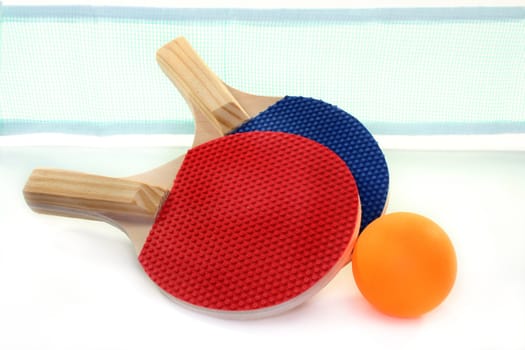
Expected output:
{"points": [[82, 195], [199, 85]]}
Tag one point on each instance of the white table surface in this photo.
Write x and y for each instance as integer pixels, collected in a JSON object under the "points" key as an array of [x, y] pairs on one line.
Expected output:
{"points": [[73, 284]]}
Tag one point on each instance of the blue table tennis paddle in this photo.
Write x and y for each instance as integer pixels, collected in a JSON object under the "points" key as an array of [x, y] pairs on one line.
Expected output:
{"points": [[234, 111]]}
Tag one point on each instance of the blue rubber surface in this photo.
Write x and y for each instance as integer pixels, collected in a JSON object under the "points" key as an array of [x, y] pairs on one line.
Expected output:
{"points": [[343, 134]]}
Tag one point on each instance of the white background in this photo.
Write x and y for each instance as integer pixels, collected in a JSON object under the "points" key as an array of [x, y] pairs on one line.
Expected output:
{"points": [[73, 284]]}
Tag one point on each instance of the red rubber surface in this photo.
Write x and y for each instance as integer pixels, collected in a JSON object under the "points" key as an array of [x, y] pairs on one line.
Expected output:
{"points": [[252, 221]]}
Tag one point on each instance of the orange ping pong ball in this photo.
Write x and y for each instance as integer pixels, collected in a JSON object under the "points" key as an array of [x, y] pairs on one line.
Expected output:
{"points": [[404, 264]]}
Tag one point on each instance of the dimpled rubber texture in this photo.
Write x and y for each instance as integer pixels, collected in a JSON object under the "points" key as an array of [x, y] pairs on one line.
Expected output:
{"points": [[343, 134], [253, 220]]}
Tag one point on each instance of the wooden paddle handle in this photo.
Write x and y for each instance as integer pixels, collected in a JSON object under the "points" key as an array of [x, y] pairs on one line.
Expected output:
{"points": [[199, 85], [68, 193]]}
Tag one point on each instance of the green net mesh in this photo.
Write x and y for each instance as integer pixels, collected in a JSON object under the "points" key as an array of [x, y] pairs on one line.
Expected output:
{"points": [[92, 70]]}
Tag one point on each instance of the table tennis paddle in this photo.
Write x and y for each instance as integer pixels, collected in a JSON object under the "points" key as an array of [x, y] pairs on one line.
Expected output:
{"points": [[252, 225], [235, 111]]}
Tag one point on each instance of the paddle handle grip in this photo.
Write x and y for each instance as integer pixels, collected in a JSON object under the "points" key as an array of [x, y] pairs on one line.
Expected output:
{"points": [[199, 85], [68, 193]]}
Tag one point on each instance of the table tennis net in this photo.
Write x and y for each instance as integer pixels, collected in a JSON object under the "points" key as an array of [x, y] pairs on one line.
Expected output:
{"points": [[92, 70]]}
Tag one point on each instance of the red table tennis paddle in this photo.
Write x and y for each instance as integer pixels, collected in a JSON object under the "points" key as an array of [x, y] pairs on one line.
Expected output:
{"points": [[252, 225]]}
